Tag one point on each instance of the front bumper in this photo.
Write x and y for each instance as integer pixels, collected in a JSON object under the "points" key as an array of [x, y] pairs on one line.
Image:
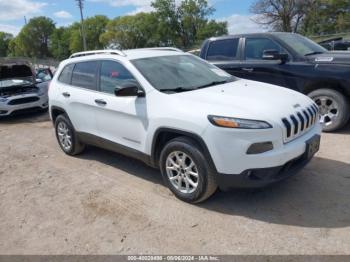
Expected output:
{"points": [[262, 177], [6, 108]]}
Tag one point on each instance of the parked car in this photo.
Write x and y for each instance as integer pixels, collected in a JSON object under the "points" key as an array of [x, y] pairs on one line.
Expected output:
{"points": [[292, 61], [201, 126], [19, 90], [43, 74], [336, 44]]}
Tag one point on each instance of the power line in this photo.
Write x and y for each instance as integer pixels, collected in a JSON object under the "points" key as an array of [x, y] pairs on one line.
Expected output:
{"points": [[81, 6]]}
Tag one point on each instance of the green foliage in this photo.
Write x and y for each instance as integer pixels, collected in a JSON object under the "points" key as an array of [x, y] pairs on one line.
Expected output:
{"points": [[327, 17], [33, 40], [134, 31], [94, 27], [5, 39], [187, 23]]}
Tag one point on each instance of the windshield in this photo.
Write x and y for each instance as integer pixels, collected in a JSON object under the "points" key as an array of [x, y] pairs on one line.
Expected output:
{"points": [[180, 73], [302, 45]]}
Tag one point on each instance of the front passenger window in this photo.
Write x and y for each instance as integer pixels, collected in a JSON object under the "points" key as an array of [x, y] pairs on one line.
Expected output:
{"points": [[114, 75]]}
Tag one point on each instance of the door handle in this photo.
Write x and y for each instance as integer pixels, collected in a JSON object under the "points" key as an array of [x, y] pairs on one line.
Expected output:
{"points": [[100, 102], [249, 70], [66, 94]]}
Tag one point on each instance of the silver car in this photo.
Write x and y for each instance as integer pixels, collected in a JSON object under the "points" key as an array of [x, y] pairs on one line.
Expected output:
{"points": [[20, 91]]}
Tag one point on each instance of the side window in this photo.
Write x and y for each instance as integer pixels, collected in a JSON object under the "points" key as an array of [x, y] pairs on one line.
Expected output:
{"points": [[223, 50], [84, 75], [255, 47], [66, 74], [113, 75]]}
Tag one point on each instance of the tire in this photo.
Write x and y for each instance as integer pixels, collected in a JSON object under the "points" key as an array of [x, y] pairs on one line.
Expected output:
{"points": [[73, 148], [334, 108], [205, 181]]}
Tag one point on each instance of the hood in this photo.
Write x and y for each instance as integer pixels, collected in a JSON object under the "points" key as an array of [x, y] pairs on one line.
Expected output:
{"points": [[335, 57], [246, 99], [15, 71]]}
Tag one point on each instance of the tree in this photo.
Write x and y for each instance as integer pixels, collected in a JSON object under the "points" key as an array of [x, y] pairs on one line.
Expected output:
{"points": [[33, 40], [5, 39], [184, 24], [281, 15], [59, 43], [134, 31], [327, 17], [94, 27]]}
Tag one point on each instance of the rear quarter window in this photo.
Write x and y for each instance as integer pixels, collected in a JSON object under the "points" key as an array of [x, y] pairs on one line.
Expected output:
{"points": [[223, 50], [66, 74]]}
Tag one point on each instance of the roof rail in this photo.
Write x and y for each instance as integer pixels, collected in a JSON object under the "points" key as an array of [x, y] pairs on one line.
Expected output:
{"points": [[98, 52], [165, 49]]}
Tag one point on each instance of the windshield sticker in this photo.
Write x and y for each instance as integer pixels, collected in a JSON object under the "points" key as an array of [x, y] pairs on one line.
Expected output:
{"points": [[324, 59], [220, 72]]}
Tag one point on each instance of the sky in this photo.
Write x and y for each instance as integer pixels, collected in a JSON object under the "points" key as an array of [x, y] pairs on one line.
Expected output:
{"points": [[65, 12]]}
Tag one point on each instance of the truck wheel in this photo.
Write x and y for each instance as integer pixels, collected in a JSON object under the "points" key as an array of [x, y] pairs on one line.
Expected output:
{"points": [[334, 108], [66, 136], [186, 172]]}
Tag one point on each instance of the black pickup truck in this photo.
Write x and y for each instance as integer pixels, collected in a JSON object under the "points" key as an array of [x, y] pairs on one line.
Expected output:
{"points": [[292, 61]]}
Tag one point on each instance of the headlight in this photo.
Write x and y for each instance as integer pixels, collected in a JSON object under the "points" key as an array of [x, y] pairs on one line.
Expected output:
{"points": [[231, 122], [3, 100]]}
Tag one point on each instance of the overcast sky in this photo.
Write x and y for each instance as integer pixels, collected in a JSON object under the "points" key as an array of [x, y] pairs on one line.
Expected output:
{"points": [[64, 12]]}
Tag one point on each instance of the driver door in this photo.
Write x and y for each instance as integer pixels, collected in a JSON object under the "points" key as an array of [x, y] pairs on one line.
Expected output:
{"points": [[254, 67], [122, 120]]}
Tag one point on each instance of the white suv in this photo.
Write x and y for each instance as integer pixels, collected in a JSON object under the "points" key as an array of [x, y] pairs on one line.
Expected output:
{"points": [[202, 127]]}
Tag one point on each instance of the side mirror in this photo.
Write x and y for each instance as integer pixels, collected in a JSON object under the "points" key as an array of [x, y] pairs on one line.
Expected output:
{"points": [[129, 90], [275, 55], [38, 80]]}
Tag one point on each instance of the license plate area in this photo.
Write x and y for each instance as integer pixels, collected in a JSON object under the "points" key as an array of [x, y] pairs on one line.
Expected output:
{"points": [[312, 146]]}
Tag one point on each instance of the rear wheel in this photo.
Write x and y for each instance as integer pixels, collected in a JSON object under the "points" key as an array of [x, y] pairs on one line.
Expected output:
{"points": [[334, 108], [186, 172], [66, 136]]}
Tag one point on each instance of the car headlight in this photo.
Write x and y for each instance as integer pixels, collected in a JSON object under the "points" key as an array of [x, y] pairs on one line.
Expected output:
{"points": [[3, 100], [232, 122]]}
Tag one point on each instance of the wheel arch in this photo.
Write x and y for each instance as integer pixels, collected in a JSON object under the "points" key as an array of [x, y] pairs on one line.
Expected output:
{"points": [[55, 111], [328, 83], [163, 135]]}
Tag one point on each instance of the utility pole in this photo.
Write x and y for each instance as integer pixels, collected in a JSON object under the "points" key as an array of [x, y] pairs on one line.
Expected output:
{"points": [[81, 6]]}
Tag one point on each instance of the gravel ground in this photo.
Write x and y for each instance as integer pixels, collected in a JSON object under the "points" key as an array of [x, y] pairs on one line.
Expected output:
{"points": [[105, 203]]}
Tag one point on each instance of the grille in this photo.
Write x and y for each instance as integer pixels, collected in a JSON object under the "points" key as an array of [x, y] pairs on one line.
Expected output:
{"points": [[23, 100], [300, 122]]}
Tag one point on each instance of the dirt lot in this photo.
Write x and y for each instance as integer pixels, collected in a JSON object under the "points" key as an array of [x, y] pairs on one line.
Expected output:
{"points": [[104, 203]]}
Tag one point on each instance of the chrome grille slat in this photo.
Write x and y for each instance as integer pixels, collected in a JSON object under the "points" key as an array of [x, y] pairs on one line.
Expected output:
{"points": [[300, 122]]}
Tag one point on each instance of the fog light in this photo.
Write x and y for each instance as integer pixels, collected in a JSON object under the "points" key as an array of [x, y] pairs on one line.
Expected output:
{"points": [[259, 148], [2, 112]]}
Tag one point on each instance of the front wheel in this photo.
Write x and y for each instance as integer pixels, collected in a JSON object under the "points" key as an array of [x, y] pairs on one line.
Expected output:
{"points": [[66, 136], [186, 172], [334, 108]]}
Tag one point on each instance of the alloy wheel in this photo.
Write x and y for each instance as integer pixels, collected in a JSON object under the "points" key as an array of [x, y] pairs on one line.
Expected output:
{"points": [[64, 136], [182, 172]]}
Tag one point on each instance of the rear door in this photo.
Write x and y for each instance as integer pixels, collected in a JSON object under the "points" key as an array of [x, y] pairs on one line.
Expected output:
{"points": [[79, 96], [225, 54]]}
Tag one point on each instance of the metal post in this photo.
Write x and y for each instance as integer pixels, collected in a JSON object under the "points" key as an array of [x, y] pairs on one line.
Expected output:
{"points": [[81, 5]]}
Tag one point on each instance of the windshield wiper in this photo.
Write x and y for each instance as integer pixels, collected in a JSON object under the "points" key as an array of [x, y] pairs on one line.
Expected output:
{"points": [[215, 83], [314, 53], [177, 89]]}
